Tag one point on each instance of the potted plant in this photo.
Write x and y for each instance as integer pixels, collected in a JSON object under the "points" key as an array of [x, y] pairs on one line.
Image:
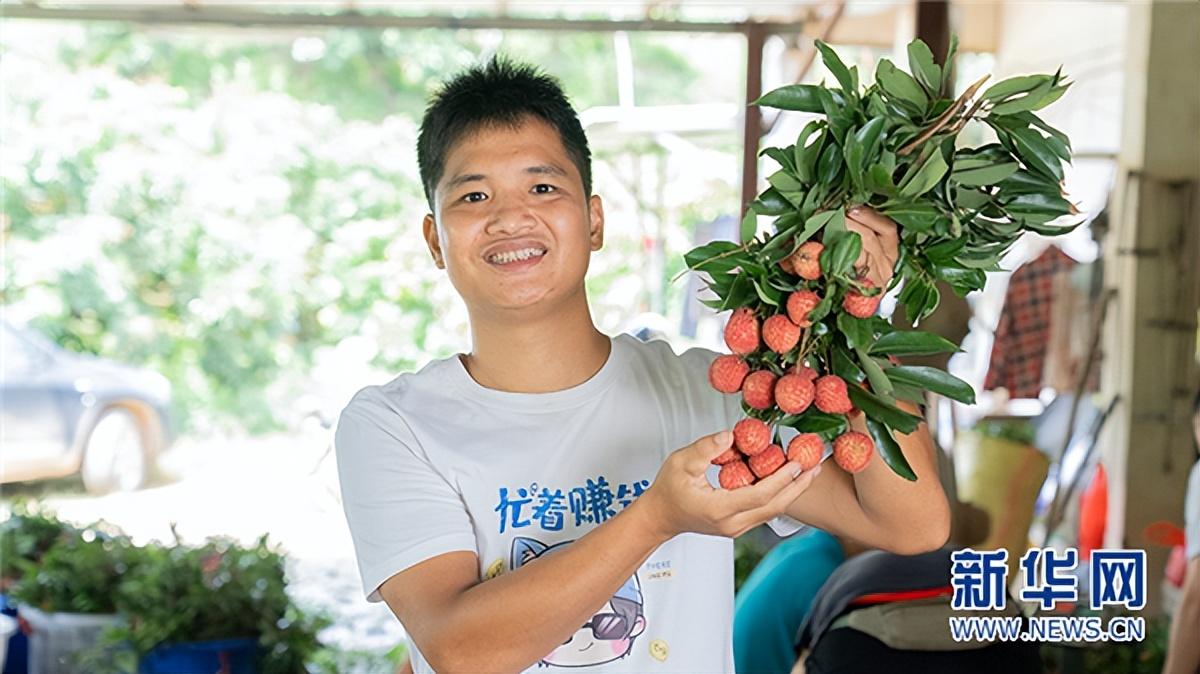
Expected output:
{"points": [[66, 598], [219, 606], [1001, 471], [25, 535]]}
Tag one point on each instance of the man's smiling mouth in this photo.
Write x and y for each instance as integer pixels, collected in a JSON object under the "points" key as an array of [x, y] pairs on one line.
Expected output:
{"points": [[508, 257]]}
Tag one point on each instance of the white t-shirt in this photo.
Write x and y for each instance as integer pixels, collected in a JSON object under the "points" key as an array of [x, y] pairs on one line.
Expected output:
{"points": [[1191, 513], [432, 463]]}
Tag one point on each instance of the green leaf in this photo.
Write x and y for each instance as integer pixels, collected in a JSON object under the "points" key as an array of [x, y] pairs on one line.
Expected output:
{"points": [[889, 450], [1025, 101], [1032, 148], [933, 379], [815, 421], [912, 343], [781, 157], [785, 182], [844, 366], [771, 202], [838, 259], [1014, 85], [879, 383], [798, 97], [862, 146], [767, 293], [930, 173], [880, 410], [695, 256], [838, 69], [918, 216], [948, 73], [859, 332], [900, 84], [815, 223], [923, 67], [989, 175], [749, 226]]}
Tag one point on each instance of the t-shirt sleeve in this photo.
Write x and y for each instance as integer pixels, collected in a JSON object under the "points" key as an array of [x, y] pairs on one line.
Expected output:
{"points": [[1191, 513], [400, 510]]}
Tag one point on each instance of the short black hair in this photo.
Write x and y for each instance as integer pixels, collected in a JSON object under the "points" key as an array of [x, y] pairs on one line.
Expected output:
{"points": [[499, 92]]}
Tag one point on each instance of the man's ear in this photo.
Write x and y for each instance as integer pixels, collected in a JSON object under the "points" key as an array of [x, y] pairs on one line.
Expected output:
{"points": [[431, 239], [596, 225]]}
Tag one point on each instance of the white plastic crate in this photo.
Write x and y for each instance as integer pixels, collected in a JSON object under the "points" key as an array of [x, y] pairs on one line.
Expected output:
{"points": [[57, 637]]}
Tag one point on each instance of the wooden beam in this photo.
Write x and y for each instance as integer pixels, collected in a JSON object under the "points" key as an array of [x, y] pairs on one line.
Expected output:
{"points": [[752, 128], [237, 16]]}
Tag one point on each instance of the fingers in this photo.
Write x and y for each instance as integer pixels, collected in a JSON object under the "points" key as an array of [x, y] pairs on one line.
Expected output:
{"points": [[700, 453], [883, 226], [778, 502], [760, 493], [875, 260]]}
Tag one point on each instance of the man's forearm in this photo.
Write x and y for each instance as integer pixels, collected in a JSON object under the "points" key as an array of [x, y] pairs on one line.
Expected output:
{"points": [[878, 508], [1183, 653], [509, 622], [917, 513]]}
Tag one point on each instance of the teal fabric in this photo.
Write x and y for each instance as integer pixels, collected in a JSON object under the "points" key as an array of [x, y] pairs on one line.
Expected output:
{"points": [[773, 601]]}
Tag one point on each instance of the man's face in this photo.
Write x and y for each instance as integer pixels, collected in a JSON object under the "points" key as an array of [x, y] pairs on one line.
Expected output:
{"points": [[512, 226]]}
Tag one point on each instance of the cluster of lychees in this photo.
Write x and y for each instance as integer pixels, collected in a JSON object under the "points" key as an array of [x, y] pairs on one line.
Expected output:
{"points": [[754, 455]]}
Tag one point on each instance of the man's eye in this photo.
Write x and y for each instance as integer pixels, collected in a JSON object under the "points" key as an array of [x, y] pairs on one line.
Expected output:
{"points": [[471, 197], [547, 188]]}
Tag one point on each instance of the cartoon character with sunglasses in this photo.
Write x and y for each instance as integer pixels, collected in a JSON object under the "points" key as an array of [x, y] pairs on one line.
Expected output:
{"points": [[610, 633]]}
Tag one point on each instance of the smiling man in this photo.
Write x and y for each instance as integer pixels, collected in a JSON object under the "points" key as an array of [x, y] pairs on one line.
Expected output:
{"points": [[552, 436]]}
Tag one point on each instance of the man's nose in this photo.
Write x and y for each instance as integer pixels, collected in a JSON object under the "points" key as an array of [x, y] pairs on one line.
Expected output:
{"points": [[510, 217]]}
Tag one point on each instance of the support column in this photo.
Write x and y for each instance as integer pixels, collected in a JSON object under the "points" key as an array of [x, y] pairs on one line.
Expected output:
{"points": [[1151, 260], [752, 130]]}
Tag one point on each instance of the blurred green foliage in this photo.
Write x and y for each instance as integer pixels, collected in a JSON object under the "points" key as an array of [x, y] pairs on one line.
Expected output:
{"points": [[228, 209]]}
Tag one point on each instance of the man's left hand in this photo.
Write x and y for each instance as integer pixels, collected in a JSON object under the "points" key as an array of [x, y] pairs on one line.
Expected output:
{"points": [[880, 244]]}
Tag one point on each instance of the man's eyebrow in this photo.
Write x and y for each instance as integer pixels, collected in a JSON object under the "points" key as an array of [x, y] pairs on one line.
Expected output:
{"points": [[547, 169], [463, 178]]}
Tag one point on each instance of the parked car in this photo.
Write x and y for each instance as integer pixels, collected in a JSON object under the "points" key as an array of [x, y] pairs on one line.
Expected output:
{"points": [[65, 413]]}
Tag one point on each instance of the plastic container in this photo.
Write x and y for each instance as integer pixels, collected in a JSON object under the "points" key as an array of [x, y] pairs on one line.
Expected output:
{"points": [[16, 660], [227, 656], [56, 638], [8, 627]]}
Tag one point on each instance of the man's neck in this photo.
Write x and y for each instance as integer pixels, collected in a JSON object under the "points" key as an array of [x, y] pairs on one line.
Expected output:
{"points": [[554, 352]]}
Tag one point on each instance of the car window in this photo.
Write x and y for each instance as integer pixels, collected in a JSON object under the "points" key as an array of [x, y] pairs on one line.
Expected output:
{"points": [[17, 355]]}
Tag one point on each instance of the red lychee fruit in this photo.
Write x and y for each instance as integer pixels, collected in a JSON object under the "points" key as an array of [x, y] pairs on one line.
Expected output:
{"points": [[767, 461], [735, 475], [800, 304], [751, 436], [728, 456], [794, 393], [807, 260], [806, 449], [727, 372], [758, 389], [804, 371], [852, 451], [859, 305], [780, 334], [831, 395], [741, 332]]}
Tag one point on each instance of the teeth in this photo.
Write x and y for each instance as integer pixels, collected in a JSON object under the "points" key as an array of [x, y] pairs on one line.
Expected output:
{"points": [[516, 255]]}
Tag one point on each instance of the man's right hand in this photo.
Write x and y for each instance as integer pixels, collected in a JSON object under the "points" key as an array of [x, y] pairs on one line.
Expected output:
{"points": [[681, 499]]}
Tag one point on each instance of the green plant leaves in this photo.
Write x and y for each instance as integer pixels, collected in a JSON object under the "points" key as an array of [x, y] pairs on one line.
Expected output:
{"points": [[929, 174], [900, 85], [922, 65], [798, 97], [876, 408], [894, 146], [911, 343], [933, 379], [889, 450]]}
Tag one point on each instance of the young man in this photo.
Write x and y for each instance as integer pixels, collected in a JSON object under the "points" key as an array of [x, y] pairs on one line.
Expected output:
{"points": [[1183, 653], [500, 499]]}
